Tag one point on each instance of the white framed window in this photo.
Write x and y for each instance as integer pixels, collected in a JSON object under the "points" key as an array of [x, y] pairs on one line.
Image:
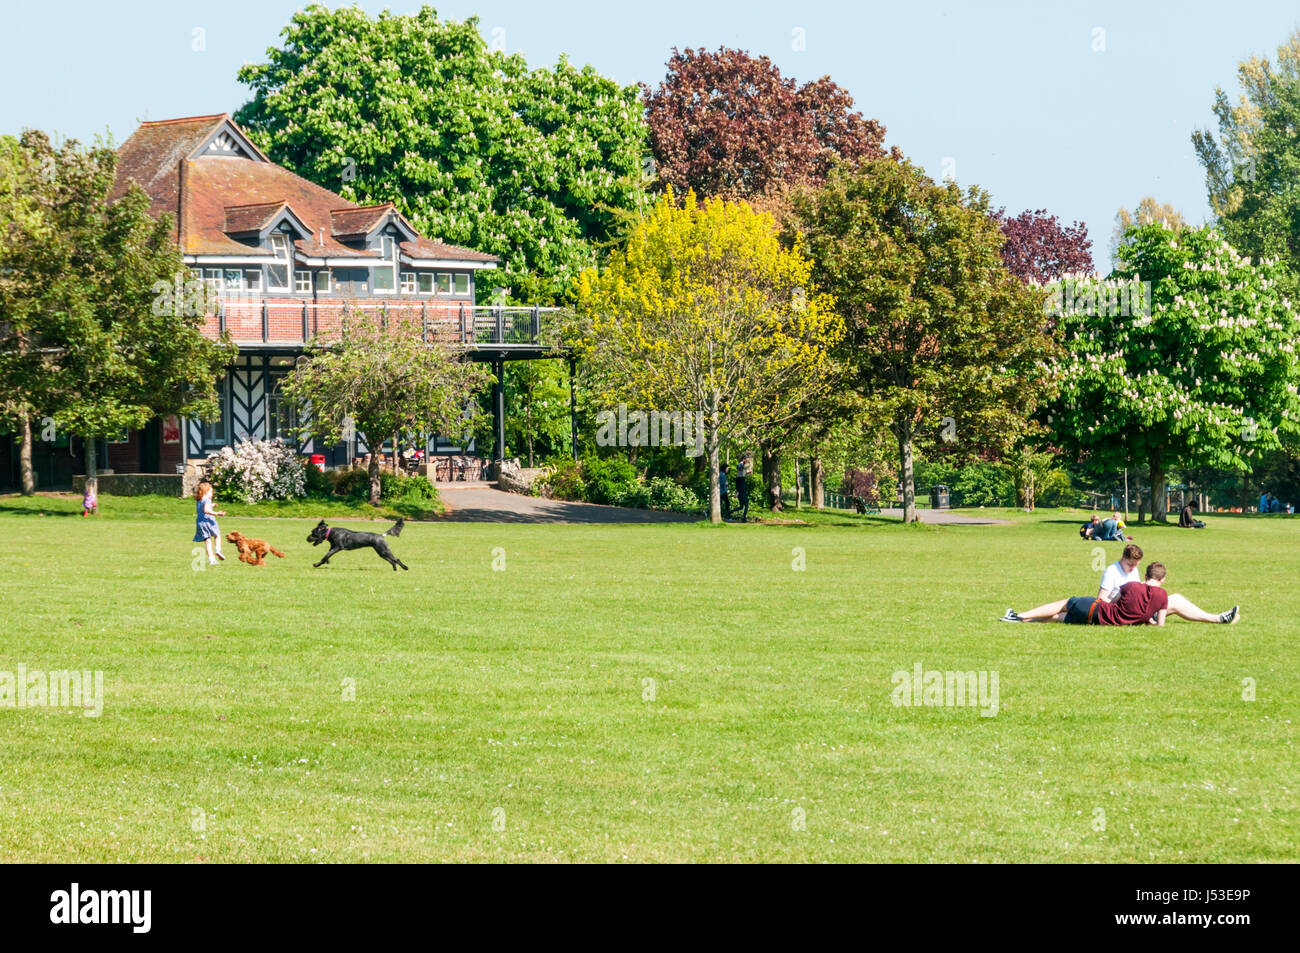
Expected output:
{"points": [[212, 278], [385, 275], [277, 275], [426, 282], [302, 281], [444, 283], [460, 284], [323, 281], [253, 279], [408, 282], [234, 279]]}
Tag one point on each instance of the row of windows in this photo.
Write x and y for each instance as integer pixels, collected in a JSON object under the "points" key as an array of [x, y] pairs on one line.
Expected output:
{"points": [[249, 280]]}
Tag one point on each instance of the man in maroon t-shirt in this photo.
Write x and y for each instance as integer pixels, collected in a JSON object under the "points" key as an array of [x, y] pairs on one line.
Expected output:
{"points": [[1139, 603]]}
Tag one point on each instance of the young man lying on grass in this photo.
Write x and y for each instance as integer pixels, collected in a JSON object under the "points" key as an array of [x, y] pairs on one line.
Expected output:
{"points": [[1123, 570], [1139, 603]]}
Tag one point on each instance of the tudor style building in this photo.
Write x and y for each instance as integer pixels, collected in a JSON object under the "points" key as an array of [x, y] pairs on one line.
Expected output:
{"points": [[287, 259]]}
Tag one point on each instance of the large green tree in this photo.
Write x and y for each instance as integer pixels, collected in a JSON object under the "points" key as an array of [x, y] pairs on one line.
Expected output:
{"points": [[1252, 165], [470, 144], [94, 334], [1204, 376], [944, 344]]}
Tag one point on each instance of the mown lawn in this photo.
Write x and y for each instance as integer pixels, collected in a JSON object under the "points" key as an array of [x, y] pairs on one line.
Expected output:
{"points": [[509, 715]]}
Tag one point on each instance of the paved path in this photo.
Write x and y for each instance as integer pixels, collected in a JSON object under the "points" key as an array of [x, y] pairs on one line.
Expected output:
{"points": [[947, 516], [486, 504]]}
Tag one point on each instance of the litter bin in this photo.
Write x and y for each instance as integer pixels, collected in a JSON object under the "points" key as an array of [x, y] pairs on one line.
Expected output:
{"points": [[939, 497], [318, 459]]}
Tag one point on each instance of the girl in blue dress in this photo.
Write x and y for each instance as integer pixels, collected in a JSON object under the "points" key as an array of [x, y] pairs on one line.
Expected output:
{"points": [[206, 530]]}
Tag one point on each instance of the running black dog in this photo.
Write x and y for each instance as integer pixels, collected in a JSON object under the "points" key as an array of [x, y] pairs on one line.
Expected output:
{"points": [[341, 539]]}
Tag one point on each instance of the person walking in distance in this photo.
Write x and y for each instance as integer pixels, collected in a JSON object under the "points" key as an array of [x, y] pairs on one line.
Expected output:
{"points": [[742, 485]]}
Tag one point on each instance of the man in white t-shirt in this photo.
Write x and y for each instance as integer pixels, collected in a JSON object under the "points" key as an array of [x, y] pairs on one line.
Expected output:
{"points": [[1124, 570]]}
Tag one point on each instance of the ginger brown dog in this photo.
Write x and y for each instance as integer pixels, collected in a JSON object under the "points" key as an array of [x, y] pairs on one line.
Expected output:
{"points": [[252, 551]]}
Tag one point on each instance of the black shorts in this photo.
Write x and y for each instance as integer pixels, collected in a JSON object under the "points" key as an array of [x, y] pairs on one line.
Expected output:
{"points": [[1082, 610]]}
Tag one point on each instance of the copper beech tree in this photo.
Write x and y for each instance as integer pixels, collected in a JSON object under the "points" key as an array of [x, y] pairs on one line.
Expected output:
{"points": [[729, 125]]}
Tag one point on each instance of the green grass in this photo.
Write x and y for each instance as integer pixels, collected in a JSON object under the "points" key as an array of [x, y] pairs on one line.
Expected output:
{"points": [[524, 690], [152, 505]]}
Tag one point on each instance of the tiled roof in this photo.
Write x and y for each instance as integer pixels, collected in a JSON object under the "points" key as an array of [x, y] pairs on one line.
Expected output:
{"points": [[215, 196], [250, 218], [152, 155], [428, 248], [357, 222]]}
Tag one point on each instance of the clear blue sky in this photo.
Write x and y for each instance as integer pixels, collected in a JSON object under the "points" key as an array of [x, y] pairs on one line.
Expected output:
{"points": [[1013, 93]]}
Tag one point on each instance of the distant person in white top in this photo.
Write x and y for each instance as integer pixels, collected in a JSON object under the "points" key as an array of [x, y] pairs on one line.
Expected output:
{"points": [[1123, 570]]}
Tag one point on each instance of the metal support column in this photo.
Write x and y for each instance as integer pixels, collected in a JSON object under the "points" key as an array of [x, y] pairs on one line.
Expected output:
{"points": [[499, 414], [573, 406]]}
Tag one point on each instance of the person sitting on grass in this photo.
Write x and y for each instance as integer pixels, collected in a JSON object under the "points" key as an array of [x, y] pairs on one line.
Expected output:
{"points": [[1187, 518], [1120, 573], [1139, 603], [1090, 529], [1111, 529], [206, 530]]}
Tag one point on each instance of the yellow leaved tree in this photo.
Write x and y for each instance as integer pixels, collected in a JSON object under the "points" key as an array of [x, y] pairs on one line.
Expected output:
{"points": [[703, 311]]}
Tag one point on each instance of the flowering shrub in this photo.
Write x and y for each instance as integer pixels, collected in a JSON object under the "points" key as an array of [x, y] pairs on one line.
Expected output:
{"points": [[666, 494], [258, 470]]}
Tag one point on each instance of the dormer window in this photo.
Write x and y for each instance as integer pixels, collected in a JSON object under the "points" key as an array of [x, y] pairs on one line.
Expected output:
{"points": [[277, 274], [386, 274]]}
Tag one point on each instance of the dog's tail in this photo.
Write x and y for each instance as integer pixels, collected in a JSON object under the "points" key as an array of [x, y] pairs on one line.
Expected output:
{"points": [[396, 528], [276, 551]]}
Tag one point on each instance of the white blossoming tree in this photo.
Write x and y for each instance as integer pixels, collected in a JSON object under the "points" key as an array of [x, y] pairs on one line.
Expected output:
{"points": [[1204, 373]]}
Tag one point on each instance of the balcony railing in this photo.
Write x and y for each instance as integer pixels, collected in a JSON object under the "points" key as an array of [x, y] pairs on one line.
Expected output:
{"points": [[284, 322]]}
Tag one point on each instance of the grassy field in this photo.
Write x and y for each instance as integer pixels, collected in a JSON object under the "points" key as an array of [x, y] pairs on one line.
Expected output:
{"points": [[666, 693]]}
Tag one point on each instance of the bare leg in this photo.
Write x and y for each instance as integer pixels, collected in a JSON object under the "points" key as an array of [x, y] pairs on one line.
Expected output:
{"points": [[1181, 606], [1045, 613]]}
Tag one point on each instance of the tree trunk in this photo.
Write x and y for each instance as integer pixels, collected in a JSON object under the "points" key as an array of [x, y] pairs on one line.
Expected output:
{"points": [[715, 495], [772, 478], [92, 473], [906, 484], [25, 456], [818, 484], [1159, 490], [798, 483], [376, 485]]}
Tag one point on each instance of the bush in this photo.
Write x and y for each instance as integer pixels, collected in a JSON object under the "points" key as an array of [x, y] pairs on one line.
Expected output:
{"points": [[607, 478], [1055, 489], [352, 483], [257, 470], [400, 487], [636, 496], [666, 494], [564, 482], [318, 484]]}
